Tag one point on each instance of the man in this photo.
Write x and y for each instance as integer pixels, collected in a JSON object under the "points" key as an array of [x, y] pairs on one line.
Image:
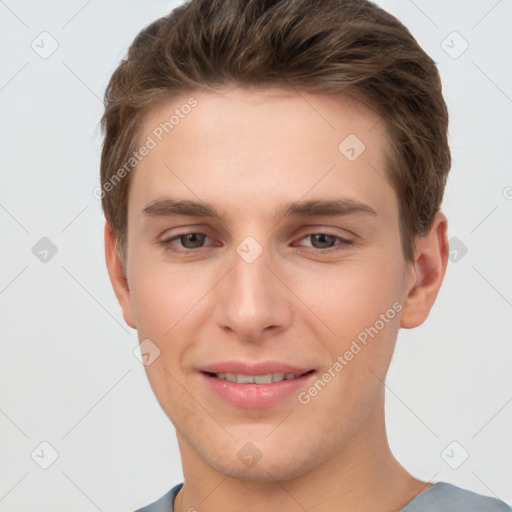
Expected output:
{"points": [[272, 176]]}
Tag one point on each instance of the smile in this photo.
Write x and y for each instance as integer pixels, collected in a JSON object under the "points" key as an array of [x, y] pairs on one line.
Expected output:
{"points": [[267, 378], [262, 391]]}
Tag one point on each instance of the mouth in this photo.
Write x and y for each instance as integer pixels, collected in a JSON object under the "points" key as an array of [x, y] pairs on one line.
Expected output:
{"points": [[266, 378], [256, 390]]}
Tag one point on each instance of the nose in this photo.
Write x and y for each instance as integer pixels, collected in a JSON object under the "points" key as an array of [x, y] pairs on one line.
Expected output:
{"points": [[253, 302]]}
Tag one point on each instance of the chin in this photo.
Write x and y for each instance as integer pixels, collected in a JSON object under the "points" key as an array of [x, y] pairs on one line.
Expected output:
{"points": [[259, 458], [279, 468]]}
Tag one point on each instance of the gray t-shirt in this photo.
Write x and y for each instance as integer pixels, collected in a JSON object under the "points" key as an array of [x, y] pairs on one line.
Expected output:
{"points": [[441, 497]]}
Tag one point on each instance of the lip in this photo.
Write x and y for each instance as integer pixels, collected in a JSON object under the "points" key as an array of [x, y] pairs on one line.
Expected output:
{"points": [[255, 396]]}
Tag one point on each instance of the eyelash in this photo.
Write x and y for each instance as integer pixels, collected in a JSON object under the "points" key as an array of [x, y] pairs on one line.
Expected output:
{"points": [[342, 245]]}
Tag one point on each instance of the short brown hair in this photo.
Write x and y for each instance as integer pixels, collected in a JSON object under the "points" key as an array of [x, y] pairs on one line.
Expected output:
{"points": [[323, 46]]}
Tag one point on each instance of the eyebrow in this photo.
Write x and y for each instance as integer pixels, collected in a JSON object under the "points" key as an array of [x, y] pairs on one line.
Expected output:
{"points": [[332, 207], [314, 208]]}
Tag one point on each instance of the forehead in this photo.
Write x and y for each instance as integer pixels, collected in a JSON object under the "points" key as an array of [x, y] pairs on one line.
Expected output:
{"points": [[247, 112], [262, 144]]}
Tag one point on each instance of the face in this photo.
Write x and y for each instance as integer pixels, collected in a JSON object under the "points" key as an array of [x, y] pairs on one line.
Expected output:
{"points": [[263, 238]]}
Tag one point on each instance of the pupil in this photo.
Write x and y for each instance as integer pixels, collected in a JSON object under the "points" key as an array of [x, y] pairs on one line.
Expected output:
{"points": [[322, 240], [192, 240]]}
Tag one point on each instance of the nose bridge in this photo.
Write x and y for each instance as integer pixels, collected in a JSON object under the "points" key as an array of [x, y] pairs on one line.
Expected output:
{"points": [[252, 299]]}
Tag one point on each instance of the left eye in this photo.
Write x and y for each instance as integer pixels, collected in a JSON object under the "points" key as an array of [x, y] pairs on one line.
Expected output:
{"points": [[325, 241], [321, 240]]}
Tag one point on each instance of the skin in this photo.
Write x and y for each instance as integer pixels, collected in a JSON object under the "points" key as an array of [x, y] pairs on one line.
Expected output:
{"points": [[247, 152]]}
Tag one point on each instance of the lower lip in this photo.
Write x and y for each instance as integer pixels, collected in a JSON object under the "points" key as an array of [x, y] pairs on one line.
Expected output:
{"points": [[256, 396]]}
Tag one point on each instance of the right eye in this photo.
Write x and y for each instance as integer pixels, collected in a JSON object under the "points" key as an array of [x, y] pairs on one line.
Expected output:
{"points": [[187, 241]]}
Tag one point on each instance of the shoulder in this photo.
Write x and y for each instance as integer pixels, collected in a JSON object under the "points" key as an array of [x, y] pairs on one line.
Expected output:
{"points": [[444, 497], [165, 503]]}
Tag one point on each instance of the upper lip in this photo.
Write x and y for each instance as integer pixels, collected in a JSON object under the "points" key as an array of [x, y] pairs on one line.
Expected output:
{"points": [[254, 368]]}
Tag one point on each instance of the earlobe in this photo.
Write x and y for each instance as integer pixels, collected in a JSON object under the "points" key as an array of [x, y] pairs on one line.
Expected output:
{"points": [[431, 258], [117, 278]]}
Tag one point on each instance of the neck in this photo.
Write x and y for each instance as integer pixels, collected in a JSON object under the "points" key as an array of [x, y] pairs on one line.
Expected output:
{"points": [[362, 475]]}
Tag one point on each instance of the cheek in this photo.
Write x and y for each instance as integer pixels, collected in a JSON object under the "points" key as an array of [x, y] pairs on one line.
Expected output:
{"points": [[359, 307], [352, 296], [162, 294], [165, 301]]}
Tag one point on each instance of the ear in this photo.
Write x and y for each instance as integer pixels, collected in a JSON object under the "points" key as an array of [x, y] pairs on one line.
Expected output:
{"points": [[119, 282], [427, 273]]}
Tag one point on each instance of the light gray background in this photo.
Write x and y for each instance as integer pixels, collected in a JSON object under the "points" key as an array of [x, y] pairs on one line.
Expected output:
{"points": [[68, 373]]}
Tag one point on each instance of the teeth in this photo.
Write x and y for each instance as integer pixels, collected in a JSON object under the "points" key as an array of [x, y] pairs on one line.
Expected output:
{"points": [[256, 379], [263, 379]]}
